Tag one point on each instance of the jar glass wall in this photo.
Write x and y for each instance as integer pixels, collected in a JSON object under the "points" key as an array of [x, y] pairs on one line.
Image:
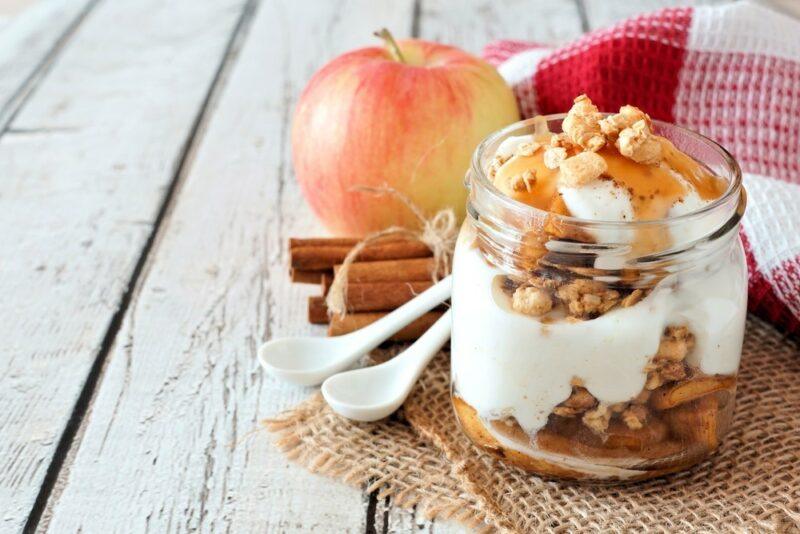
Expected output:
{"points": [[632, 373]]}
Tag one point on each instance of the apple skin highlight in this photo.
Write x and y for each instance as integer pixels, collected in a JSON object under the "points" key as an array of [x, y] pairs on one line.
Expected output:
{"points": [[366, 119]]}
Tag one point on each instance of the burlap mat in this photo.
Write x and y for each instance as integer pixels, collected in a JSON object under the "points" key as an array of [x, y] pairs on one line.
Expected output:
{"points": [[420, 458]]}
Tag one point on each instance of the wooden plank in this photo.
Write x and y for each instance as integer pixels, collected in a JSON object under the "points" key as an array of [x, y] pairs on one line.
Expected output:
{"points": [[30, 38], [172, 441], [85, 169], [471, 24], [602, 13]]}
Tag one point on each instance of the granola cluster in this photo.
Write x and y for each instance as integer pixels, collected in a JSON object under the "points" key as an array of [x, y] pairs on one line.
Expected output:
{"points": [[585, 131], [579, 298], [574, 151], [667, 366]]}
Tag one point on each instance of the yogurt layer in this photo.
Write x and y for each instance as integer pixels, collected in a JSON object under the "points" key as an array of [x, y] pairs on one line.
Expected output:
{"points": [[509, 364]]}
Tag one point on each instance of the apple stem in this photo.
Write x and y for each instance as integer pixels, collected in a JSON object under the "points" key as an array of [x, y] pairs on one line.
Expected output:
{"points": [[391, 44]]}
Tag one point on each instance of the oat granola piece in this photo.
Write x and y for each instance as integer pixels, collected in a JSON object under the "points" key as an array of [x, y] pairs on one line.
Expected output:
{"points": [[527, 149], [667, 365], [561, 140], [524, 182], [675, 344], [587, 298], [581, 169], [672, 371], [654, 380], [543, 282], [632, 298], [612, 125], [639, 144], [531, 301], [597, 419], [553, 156], [497, 162], [661, 372], [635, 416], [582, 124], [578, 401]]}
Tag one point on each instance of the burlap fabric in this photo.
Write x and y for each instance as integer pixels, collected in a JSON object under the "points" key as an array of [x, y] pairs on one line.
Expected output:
{"points": [[420, 458]]}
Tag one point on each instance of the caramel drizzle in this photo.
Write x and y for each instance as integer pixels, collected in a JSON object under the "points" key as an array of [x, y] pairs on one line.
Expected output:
{"points": [[653, 189]]}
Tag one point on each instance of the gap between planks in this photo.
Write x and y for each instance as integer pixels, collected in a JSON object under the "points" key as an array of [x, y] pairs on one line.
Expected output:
{"points": [[372, 502], [581, 7], [16, 101], [70, 438]]}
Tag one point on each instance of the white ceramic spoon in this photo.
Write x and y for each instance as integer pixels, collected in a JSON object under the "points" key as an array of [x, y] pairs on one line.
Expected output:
{"points": [[310, 360], [373, 393]]}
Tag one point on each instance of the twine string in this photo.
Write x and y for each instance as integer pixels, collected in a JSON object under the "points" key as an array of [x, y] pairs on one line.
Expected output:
{"points": [[438, 233]]}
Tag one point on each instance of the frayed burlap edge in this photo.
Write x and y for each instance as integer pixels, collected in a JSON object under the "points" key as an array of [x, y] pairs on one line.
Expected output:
{"points": [[751, 485], [386, 457]]}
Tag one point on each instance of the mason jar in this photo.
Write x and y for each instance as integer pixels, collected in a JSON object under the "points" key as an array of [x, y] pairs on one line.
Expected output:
{"points": [[642, 382]]}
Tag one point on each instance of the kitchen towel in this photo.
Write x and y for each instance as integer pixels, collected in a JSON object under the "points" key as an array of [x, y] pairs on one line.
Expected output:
{"points": [[730, 72]]}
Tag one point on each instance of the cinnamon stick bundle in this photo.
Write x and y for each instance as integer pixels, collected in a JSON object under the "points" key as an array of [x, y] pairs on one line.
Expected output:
{"points": [[386, 275]]}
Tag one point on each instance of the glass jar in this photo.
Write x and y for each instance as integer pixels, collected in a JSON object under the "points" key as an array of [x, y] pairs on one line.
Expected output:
{"points": [[643, 383]]}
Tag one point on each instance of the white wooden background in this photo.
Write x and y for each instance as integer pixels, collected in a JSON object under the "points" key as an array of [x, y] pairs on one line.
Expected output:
{"points": [[146, 194]]}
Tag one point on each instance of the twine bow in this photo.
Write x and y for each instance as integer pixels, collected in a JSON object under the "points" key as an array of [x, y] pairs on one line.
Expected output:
{"points": [[438, 233]]}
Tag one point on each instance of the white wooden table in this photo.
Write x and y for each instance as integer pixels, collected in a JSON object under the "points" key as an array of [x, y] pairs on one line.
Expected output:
{"points": [[146, 194]]}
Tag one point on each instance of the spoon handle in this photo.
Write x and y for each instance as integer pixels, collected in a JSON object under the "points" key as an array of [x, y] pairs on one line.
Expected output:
{"points": [[373, 335], [417, 356]]}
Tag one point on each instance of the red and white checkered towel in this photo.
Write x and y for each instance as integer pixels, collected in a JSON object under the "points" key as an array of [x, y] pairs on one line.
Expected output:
{"points": [[730, 72]]}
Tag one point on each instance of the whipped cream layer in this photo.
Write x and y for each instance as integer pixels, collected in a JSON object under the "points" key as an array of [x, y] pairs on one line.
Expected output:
{"points": [[509, 364]]}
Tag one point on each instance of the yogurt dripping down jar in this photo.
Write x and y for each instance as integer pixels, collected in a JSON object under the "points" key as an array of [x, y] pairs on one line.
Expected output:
{"points": [[631, 373]]}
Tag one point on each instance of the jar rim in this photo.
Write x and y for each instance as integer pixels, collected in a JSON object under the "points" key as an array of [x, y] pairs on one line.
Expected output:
{"points": [[734, 186]]}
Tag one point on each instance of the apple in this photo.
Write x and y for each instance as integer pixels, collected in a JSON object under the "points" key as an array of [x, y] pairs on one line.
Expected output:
{"points": [[408, 116]]}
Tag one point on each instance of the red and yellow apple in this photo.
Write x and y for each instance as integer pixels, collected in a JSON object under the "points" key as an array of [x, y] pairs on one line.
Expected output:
{"points": [[408, 116]]}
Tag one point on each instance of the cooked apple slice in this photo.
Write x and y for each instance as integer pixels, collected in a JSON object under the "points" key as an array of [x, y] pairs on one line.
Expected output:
{"points": [[696, 422], [679, 393], [620, 436], [474, 428]]}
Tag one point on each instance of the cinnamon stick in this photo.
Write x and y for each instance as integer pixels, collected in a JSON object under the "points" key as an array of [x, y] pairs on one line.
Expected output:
{"points": [[353, 321], [315, 258], [297, 242], [406, 270], [317, 310], [382, 296], [307, 277], [325, 283]]}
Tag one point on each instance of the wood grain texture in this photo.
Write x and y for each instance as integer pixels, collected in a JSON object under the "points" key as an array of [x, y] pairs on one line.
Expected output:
{"points": [[471, 24], [29, 43], [84, 170], [172, 442]]}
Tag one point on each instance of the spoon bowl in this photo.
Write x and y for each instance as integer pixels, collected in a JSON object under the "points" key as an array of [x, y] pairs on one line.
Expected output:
{"points": [[305, 361], [376, 392], [308, 361]]}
